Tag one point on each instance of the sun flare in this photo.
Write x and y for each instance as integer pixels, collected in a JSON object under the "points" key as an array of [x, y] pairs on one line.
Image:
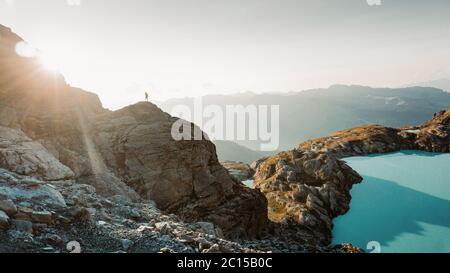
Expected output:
{"points": [[48, 63]]}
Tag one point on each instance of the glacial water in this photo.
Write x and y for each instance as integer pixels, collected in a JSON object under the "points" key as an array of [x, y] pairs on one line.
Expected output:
{"points": [[403, 203], [249, 183]]}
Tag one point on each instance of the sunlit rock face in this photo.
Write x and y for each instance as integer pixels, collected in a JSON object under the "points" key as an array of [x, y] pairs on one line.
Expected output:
{"points": [[21, 155], [434, 136], [129, 152], [306, 190]]}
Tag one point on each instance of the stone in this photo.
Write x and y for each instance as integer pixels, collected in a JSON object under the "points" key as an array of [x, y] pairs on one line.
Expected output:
{"points": [[80, 214], [135, 214], [54, 239], [185, 239], [126, 244], [43, 217], [3, 197], [8, 207], [4, 220], [144, 228], [166, 250], [38, 227], [23, 190], [23, 226], [207, 228], [163, 227], [213, 249]]}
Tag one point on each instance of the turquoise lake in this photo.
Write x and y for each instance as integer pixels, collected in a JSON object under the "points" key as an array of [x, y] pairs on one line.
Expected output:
{"points": [[403, 203]]}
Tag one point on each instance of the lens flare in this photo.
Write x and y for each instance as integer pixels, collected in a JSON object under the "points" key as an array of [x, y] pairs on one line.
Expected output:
{"points": [[25, 50]]}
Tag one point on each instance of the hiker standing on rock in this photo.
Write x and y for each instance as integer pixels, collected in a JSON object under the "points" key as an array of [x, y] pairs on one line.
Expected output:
{"points": [[146, 96]]}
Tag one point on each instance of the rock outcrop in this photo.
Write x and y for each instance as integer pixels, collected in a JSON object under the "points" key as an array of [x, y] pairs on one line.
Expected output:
{"points": [[309, 186], [239, 170], [180, 176], [67, 134], [306, 190], [432, 136]]}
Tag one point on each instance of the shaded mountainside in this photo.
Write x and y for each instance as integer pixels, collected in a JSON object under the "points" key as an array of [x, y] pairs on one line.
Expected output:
{"points": [[309, 186], [129, 152], [320, 112]]}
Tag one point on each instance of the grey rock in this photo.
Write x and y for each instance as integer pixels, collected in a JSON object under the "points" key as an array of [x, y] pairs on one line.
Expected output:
{"points": [[23, 226], [126, 244], [8, 207], [20, 154], [4, 220]]}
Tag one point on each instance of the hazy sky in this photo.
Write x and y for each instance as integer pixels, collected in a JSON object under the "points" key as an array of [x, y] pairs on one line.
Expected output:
{"points": [[118, 48]]}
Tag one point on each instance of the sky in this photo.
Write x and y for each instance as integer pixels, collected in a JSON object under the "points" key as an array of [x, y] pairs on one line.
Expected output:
{"points": [[177, 48]]}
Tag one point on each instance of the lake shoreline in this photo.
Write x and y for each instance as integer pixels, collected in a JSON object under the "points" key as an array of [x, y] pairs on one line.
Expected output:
{"points": [[402, 203]]}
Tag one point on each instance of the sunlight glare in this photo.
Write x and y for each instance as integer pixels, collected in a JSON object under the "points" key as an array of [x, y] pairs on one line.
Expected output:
{"points": [[48, 63], [25, 50]]}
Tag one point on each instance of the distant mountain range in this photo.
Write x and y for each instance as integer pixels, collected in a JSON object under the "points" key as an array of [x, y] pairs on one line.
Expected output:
{"points": [[318, 112], [443, 84]]}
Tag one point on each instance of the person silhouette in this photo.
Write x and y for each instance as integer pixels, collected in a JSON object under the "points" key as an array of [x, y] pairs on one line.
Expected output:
{"points": [[146, 96]]}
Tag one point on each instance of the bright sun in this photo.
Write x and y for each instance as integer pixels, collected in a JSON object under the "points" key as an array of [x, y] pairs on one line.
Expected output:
{"points": [[48, 63]]}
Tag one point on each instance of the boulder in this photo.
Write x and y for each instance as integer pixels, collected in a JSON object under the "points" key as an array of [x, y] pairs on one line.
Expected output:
{"points": [[20, 188], [21, 155], [8, 207], [4, 220], [23, 226]]}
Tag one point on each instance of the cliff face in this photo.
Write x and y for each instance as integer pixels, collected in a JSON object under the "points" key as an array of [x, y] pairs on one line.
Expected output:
{"points": [[308, 187], [129, 152]]}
